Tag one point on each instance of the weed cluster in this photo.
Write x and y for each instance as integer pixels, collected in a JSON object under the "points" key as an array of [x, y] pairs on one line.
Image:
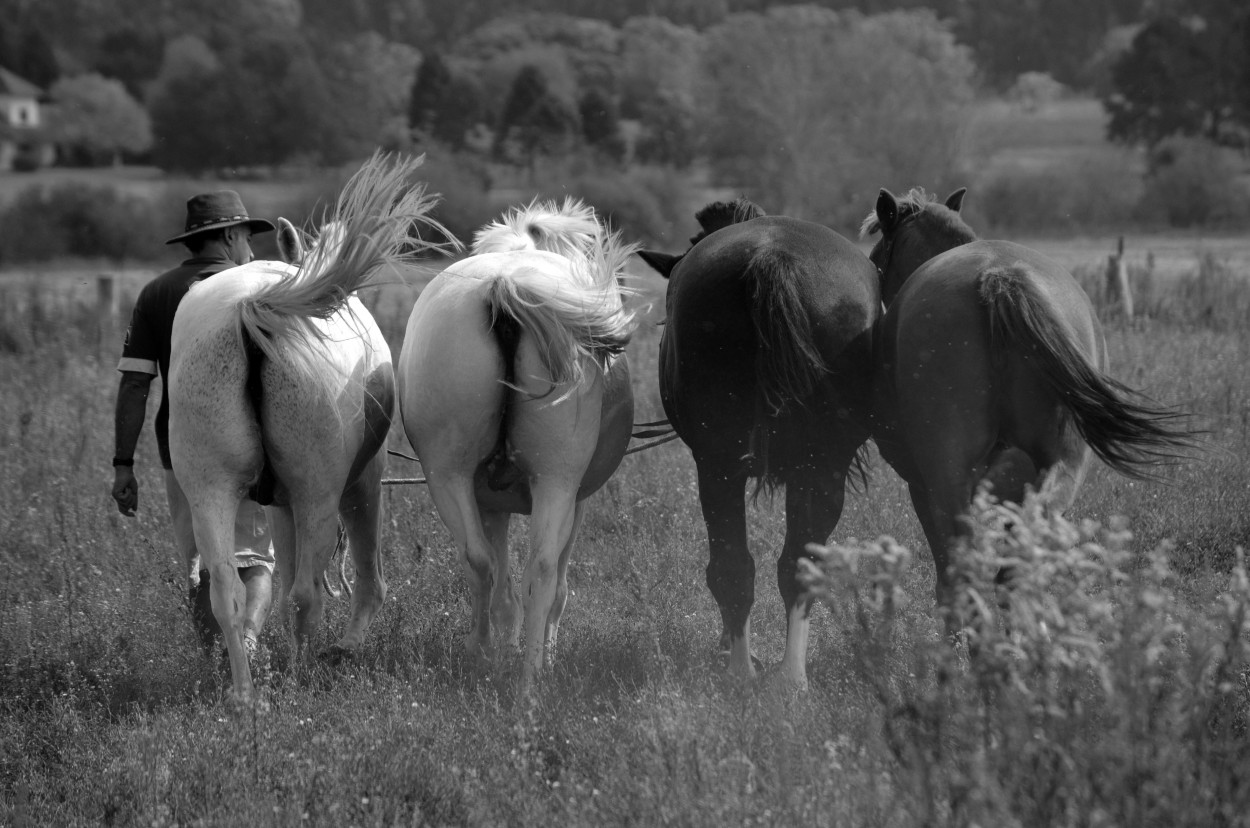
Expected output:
{"points": [[1211, 295], [1081, 684]]}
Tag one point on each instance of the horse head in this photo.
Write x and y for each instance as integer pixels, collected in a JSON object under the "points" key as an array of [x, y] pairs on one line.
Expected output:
{"points": [[914, 228], [712, 217]]}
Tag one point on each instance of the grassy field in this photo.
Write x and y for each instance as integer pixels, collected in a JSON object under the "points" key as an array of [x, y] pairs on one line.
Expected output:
{"points": [[110, 715], [1120, 698]]}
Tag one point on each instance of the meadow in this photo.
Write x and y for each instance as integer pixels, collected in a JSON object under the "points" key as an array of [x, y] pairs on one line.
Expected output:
{"points": [[1118, 695], [110, 715]]}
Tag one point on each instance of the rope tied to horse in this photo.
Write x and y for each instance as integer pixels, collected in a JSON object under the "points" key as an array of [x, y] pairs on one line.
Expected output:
{"points": [[659, 429]]}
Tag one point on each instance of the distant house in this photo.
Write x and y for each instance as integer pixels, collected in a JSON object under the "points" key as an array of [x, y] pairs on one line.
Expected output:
{"points": [[22, 140]]}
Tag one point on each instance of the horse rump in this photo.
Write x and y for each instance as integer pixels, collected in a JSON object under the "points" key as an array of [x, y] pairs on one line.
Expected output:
{"points": [[1127, 430]]}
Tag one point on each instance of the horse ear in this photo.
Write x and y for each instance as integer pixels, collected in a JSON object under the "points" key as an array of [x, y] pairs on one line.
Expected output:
{"points": [[956, 199], [290, 245], [661, 263], [887, 210]]}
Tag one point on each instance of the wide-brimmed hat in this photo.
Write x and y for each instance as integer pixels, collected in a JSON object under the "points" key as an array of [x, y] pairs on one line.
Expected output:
{"points": [[210, 211]]}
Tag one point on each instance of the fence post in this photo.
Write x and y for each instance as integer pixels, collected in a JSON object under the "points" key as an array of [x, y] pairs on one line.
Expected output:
{"points": [[1117, 284], [106, 310]]}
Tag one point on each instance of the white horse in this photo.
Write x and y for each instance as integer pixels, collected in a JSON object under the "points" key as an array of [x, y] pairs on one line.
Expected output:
{"points": [[281, 388], [515, 392]]}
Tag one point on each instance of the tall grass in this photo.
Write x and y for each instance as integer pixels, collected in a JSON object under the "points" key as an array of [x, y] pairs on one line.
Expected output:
{"points": [[110, 715]]}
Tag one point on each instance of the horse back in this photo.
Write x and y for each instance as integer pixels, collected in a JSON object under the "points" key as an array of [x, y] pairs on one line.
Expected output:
{"points": [[944, 358], [709, 374]]}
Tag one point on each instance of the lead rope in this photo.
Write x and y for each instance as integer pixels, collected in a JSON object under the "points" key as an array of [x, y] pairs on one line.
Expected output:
{"points": [[659, 429]]}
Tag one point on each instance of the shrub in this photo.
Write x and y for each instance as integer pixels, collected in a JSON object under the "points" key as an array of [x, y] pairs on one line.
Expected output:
{"points": [[649, 204], [1087, 687], [1096, 193], [76, 220], [653, 205], [1194, 183]]}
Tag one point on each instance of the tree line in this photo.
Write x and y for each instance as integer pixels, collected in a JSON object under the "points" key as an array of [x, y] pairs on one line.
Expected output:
{"points": [[761, 88]]}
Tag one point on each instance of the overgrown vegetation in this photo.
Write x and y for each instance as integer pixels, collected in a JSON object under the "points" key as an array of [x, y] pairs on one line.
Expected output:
{"points": [[1128, 709], [1086, 689]]}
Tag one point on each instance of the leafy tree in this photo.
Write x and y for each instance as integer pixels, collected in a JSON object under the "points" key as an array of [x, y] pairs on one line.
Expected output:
{"points": [[1186, 73], [96, 120], [670, 130], [601, 124], [34, 59], [368, 80], [812, 110], [585, 49], [535, 122], [264, 102], [132, 56], [498, 75], [659, 81], [1058, 37], [446, 102], [429, 92]]}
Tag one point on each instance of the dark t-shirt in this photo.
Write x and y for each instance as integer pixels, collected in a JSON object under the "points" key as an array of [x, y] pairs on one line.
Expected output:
{"points": [[151, 326]]}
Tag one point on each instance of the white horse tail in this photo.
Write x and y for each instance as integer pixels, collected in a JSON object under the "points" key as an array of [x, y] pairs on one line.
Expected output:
{"points": [[584, 316], [374, 228], [569, 229]]}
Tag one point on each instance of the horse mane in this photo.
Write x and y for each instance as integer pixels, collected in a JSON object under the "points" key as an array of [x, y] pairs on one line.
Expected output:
{"points": [[569, 229], [721, 214], [916, 201]]}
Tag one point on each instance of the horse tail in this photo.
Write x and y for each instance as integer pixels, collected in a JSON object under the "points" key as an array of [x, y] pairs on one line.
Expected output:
{"points": [[1124, 428], [373, 229], [570, 319], [570, 229], [788, 363]]}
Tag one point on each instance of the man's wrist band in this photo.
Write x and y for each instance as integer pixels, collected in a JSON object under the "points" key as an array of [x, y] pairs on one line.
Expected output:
{"points": [[120, 461]]}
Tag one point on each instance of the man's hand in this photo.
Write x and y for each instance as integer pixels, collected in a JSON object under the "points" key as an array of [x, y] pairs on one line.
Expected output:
{"points": [[125, 490]]}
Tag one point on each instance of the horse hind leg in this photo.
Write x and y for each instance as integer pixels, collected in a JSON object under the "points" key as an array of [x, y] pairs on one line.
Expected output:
{"points": [[562, 581], [361, 511], [457, 507], [282, 528], [813, 508], [316, 534], [213, 523], [505, 605], [551, 534], [730, 569]]}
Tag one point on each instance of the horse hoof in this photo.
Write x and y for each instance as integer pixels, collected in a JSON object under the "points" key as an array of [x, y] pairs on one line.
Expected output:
{"points": [[334, 655], [757, 666]]}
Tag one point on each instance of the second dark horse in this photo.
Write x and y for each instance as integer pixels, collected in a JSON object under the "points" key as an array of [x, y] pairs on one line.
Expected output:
{"points": [[766, 373]]}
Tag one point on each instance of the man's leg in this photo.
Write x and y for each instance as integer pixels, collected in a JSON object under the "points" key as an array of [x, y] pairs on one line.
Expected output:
{"points": [[198, 593], [254, 557]]}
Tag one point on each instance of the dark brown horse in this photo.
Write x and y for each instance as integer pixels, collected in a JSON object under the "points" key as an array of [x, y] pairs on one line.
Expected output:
{"points": [[991, 368], [765, 373]]}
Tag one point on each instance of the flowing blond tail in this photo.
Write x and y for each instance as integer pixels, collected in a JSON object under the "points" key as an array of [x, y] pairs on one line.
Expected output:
{"points": [[586, 318], [379, 218]]}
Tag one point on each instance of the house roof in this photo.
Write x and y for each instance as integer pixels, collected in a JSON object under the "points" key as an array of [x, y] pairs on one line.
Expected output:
{"points": [[17, 87]]}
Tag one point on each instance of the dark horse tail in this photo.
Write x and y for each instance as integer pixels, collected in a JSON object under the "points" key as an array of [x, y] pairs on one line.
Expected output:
{"points": [[788, 364], [1126, 430]]}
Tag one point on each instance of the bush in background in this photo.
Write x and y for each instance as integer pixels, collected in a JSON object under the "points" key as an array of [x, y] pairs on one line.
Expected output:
{"points": [[650, 205], [76, 220], [1098, 193], [1193, 183]]}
